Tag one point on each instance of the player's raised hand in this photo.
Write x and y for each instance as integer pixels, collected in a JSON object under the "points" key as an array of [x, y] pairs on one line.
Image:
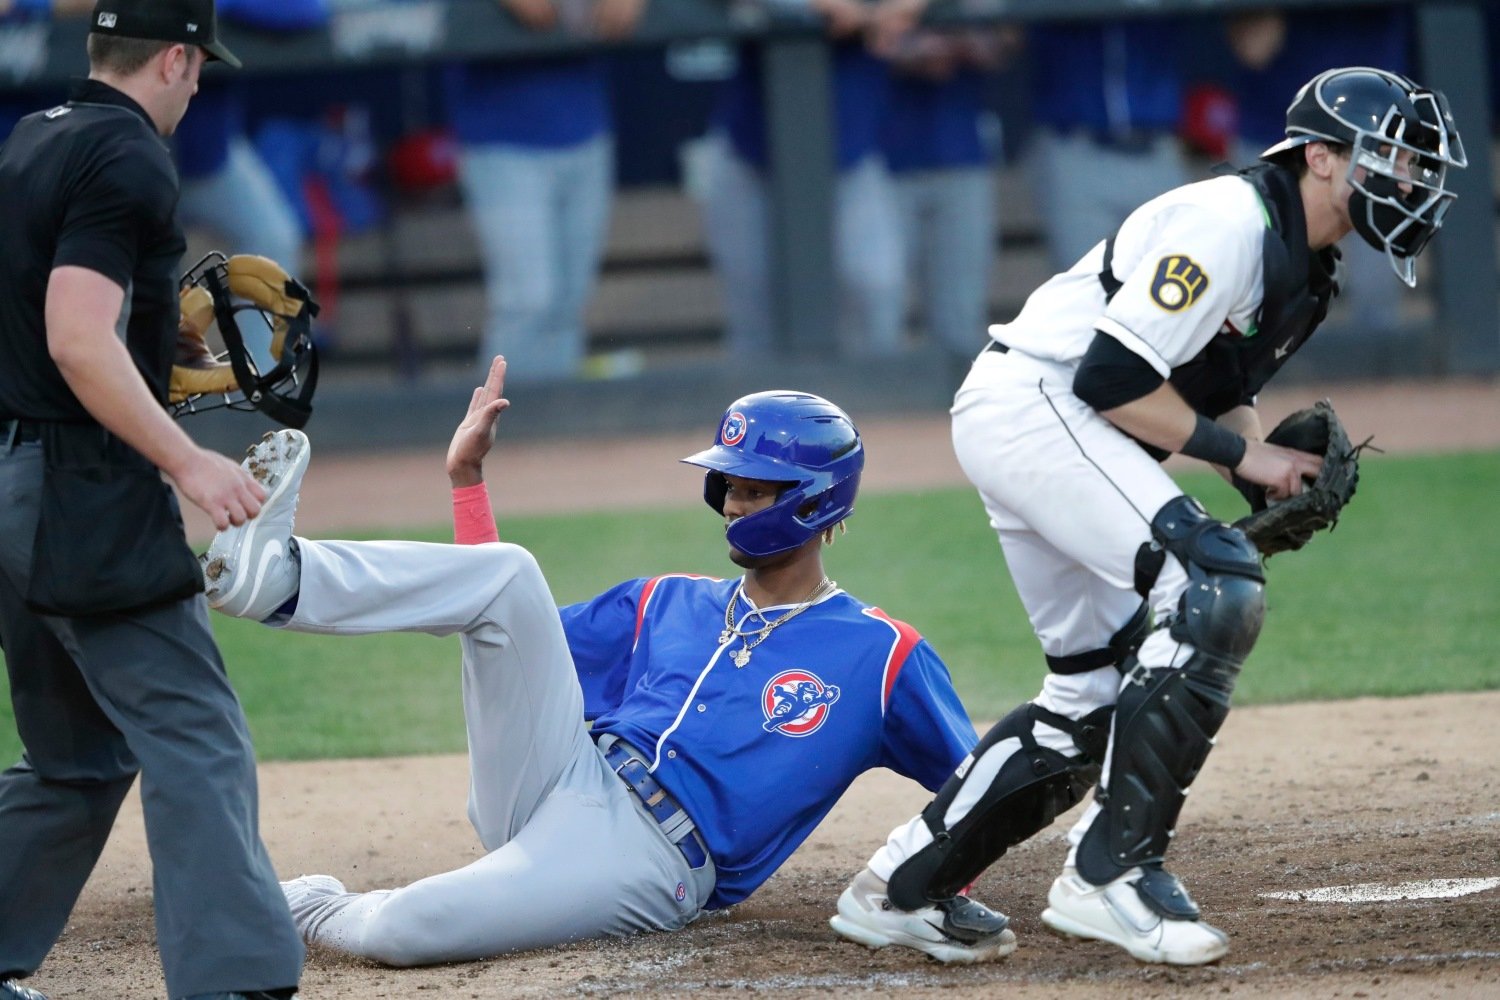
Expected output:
{"points": [[476, 433], [1280, 470]]}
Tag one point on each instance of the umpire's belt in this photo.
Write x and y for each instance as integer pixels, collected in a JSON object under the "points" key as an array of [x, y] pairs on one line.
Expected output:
{"points": [[674, 821], [14, 432]]}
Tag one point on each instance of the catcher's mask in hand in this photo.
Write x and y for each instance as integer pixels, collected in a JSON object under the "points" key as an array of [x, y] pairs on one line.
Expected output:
{"points": [[220, 290]]}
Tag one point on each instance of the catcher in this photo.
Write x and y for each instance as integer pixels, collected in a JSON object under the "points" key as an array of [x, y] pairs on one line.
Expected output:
{"points": [[1157, 341]]}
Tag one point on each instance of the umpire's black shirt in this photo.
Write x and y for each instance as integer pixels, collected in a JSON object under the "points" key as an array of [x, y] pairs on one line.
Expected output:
{"points": [[89, 183]]}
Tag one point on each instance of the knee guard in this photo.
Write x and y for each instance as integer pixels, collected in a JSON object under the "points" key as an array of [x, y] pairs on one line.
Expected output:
{"points": [[1032, 788], [1166, 718]]}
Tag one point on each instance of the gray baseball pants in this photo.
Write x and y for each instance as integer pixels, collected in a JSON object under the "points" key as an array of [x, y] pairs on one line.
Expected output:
{"points": [[572, 853]]}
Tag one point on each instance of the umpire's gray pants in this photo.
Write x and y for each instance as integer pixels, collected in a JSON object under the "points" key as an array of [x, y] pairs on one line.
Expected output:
{"points": [[96, 700]]}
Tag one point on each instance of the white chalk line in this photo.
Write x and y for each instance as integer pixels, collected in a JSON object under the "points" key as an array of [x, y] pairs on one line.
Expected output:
{"points": [[1383, 892]]}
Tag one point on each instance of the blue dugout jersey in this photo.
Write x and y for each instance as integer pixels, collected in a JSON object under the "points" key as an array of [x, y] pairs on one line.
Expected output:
{"points": [[758, 755]]}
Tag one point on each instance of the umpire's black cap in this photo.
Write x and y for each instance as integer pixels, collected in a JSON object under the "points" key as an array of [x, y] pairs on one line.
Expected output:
{"points": [[190, 21]]}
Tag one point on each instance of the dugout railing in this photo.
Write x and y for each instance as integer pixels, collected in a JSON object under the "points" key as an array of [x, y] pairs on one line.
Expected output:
{"points": [[1461, 337]]}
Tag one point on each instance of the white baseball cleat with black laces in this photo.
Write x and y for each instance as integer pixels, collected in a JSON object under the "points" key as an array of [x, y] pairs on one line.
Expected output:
{"points": [[251, 570], [1117, 913], [957, 930]]}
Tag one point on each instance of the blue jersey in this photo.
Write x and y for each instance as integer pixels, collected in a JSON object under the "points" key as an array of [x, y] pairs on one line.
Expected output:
{"points": [[552, 103], [758, 755], [1107, 77], [936, 124], [861, 88]]}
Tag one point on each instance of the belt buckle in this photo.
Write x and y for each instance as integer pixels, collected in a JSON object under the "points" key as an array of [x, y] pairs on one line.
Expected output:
{"points": [[656, 800]]}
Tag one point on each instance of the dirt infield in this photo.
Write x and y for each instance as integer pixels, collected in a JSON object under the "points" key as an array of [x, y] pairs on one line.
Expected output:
{"points": [[1296, 798]]}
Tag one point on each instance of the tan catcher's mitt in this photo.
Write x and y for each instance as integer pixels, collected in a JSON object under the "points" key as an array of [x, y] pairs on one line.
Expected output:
{"points": [[1289, 524]]}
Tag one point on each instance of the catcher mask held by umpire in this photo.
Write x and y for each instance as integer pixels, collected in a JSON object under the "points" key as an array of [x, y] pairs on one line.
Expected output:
{"points": [[220, 289]]}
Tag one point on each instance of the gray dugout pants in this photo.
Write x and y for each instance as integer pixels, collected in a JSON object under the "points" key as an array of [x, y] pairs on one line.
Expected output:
{"points": [[1085, 189], [572, 854], [869, 256], [97, 700]]}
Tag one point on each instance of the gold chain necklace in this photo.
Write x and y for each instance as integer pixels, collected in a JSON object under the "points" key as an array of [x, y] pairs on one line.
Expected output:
{"points": [[741, 656]]}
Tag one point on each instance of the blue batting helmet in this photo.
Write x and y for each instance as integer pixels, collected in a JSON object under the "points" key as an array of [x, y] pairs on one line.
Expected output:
{"points": [[787, 437]]}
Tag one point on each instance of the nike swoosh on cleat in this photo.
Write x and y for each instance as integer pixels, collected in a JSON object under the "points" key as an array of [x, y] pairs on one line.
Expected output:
{"points": [[939, 928], [273, 550]]}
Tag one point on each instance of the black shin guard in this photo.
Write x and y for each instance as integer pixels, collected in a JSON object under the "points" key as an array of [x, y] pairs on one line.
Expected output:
{"points": [[1166, 718], [1031, 789]]}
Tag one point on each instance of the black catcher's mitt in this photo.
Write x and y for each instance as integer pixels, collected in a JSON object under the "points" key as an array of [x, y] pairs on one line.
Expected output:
{"points": [[1289, 524]]}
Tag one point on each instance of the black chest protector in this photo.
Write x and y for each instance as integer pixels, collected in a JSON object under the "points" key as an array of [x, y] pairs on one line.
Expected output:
{"points": [[1299, 284]]}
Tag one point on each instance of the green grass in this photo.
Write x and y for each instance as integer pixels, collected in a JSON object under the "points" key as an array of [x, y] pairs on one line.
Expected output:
{"points": [[1401, 599]]}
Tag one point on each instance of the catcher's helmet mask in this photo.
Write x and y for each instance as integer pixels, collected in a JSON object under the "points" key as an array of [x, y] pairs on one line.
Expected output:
{"points": [[1380, 116], [285, 392], [795, 439]]}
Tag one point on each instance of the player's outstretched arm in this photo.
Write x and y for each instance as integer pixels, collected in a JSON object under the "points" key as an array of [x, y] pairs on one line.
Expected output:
{"points": [[476, 433]]}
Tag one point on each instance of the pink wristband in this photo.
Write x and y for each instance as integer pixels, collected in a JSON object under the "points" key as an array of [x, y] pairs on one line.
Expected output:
{"points": [[473, 520]]}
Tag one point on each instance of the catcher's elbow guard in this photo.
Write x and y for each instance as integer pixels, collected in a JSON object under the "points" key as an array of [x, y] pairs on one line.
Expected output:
{"points": [[218, 289]]}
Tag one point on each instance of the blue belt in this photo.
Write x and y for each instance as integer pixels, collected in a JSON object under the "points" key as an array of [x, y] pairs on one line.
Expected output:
{"points": [[674, 821]]}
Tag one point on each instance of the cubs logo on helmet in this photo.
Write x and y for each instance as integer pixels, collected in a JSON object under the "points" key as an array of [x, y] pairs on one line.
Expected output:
{"points": [[797, 702], [734, 428]]}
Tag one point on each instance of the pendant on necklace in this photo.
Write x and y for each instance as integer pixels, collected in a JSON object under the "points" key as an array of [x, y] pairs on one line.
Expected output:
{"points": [[725, 636], [740, 656]]}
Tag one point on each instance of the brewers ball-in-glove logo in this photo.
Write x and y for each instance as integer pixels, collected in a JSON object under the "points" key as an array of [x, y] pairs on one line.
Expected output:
{"points": [[796, 702], [735, 426], [1178, 283]]}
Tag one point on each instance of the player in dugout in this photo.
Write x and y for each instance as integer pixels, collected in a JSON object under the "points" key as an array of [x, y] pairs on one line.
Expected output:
{"points": [[706, 696], [1156, 341]]}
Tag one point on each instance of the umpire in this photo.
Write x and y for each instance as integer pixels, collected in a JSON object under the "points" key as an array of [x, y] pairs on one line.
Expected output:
{"points": [[113, 668]]}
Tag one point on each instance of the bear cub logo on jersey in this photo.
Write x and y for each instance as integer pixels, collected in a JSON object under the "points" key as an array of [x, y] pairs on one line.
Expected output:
{"points": [[796, 702], [1179, 282], [735, 426]]}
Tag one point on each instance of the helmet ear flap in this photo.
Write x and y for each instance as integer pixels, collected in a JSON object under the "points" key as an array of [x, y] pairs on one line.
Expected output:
{"points": [[715, 489]]}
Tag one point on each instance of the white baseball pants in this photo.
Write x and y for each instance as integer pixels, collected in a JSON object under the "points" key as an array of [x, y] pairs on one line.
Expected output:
{"points": [[1071, 498]]}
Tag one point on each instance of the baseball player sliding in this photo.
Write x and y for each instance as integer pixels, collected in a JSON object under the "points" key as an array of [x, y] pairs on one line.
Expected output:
{"points": [[1157, 341], [728, 715]]}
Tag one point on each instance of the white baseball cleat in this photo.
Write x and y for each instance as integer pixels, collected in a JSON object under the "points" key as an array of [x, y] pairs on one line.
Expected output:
{"points": [[251, 570], [309, 898], [958, 930], [1116, 913]]}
